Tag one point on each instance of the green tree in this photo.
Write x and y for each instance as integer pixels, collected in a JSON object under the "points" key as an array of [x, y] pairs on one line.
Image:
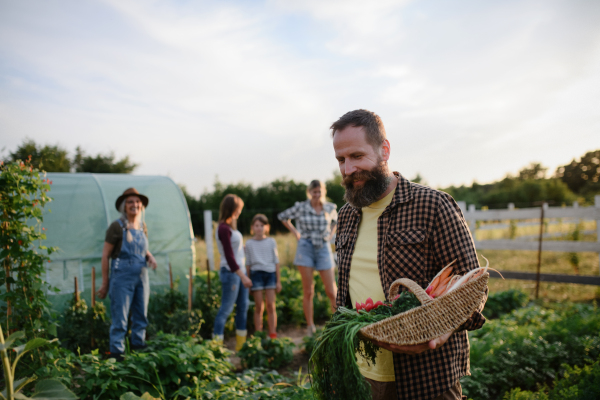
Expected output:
{"points": [[533, 171], [335, 190], [583, 176], [47, 158], [102, 163]]}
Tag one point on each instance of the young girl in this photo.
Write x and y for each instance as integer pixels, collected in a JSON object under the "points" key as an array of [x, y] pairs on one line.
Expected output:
{"points": [[234, 282], [263, 262]]}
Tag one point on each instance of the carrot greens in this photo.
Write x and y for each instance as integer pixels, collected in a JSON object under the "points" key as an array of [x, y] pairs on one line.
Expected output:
{"points": [[335, 374]]}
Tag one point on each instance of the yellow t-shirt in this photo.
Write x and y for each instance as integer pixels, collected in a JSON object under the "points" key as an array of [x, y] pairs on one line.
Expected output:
{"points": [[364, 282]]}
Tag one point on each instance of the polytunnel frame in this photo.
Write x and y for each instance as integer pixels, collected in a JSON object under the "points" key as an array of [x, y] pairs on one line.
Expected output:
{"points": [[81, 279]]}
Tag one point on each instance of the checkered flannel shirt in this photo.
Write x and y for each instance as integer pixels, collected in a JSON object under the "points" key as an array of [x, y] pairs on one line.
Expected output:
{"points": [[312, 226], [420, 232]]}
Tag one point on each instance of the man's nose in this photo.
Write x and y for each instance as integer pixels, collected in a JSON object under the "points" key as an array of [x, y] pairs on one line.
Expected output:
{"points": [[349, 168]]}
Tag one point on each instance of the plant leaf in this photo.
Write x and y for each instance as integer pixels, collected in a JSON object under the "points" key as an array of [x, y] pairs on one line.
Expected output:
{"points": [[33, 344], [9, 341], [52, 389], [20, 384]]}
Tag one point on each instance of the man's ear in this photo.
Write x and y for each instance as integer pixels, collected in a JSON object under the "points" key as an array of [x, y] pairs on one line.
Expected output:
{"points": [[385, 150]]}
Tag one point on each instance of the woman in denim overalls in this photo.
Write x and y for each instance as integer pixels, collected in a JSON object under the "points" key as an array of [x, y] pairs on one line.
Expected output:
{"points": [[128, 286]]}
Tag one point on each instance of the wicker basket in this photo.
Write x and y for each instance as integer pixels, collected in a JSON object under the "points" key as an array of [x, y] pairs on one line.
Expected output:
{"points": [[433, 318]]}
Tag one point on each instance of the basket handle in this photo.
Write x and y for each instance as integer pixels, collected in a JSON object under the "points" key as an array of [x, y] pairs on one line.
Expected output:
{"points": [[413, 287]]}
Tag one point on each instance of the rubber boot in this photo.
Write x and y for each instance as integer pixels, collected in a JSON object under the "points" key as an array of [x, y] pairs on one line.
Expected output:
{"points": [[218, 338], [240, 339]]}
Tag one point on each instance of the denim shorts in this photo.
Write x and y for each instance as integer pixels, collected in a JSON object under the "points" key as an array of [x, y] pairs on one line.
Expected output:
{"points": [[262, 280], [308, 255]]}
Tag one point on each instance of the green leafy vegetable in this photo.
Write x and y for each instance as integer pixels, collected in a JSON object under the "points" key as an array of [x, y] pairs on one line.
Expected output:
{"points": [[335, 374]]}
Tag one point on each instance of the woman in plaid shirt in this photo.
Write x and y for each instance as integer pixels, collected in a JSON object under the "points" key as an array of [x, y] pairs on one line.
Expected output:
{"points": [[316, 221]]}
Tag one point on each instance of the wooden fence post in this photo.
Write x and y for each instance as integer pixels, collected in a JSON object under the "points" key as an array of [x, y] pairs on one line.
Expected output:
{"points": [[190, 291], [76, 291], [93, 287], [539, 266], [472, 221], [93, 305]]}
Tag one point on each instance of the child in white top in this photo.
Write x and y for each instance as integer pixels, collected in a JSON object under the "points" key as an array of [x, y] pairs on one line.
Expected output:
{"points": [[263, 265]]}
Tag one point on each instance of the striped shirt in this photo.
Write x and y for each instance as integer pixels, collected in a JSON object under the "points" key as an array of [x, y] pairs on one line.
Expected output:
{"points": [[261, 255], [312, 226]]}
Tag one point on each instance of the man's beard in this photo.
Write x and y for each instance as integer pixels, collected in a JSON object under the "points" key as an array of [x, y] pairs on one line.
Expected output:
{"points": [[376, 182]]}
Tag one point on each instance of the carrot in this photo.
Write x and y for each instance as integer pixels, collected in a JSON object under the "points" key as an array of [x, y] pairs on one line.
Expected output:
{"points": [[433, 285], [436, 279], [441, 287]]}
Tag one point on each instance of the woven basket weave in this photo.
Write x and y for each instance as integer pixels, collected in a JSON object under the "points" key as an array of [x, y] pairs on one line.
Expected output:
{"points": [[434, 318]]}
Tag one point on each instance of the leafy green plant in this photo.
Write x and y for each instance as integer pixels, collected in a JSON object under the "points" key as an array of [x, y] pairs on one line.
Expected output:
{"points": [[574, 258], [170, 366], [208, 303], [262, 351], [23, 194], [80, 323], [44, 389], [504, 302], [289, 300], [339, 343], [308, 342], [168, 313], [576, 384], [529, 346]]}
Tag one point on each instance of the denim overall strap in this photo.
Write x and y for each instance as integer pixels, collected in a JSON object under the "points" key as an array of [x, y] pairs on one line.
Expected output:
{"points": [[129, 290]]}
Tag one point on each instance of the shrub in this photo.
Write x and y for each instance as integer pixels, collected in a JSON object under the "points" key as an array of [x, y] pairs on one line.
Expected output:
{"points": [[576, 384], [529, 346], [170, 366], [261, 351], [168, 313], [78, 325], [23, 194], [501, 303]]}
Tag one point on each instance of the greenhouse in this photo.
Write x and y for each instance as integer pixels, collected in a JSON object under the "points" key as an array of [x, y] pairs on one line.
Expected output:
{"points": [[83, 207]]}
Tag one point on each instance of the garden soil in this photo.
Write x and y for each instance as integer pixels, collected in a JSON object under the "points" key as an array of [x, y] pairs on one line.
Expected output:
{"points": [[296, 334]]}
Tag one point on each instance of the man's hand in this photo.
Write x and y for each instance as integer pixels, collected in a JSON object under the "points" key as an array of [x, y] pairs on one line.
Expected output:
{"points": [[103, 291], [278, 287], [417, 348]]}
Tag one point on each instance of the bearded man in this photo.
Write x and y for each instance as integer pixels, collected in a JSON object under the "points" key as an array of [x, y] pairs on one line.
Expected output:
{"points": [[391, 228]]}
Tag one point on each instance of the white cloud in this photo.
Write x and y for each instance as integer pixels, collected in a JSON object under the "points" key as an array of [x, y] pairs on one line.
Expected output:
{"points": [[247, 91]]}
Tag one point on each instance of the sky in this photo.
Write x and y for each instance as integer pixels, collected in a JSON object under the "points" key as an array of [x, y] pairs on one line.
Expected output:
{"points": [[245, 91]]}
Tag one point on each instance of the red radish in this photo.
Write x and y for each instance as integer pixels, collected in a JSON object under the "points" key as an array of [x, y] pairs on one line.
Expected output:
{"points": [[377, 304], [369, 301], [369, 307], [358, 306]]}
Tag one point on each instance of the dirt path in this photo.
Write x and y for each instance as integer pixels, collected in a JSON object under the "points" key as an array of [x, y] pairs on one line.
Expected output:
{"points": [[300, 357]]}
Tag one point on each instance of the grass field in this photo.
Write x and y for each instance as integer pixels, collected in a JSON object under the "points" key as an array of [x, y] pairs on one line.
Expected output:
{"points": [[508, 260]]}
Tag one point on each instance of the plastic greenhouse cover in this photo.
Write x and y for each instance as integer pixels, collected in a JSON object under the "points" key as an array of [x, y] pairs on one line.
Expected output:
{"points": [[83, 207]]}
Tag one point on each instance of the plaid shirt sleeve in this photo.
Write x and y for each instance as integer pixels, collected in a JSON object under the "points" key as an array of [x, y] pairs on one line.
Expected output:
{"points": [[333, 214], [291, 213], [452, 240]]}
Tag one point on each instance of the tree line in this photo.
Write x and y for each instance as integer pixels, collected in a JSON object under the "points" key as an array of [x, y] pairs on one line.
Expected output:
{"points": [[53, 158], [269, 199], [578, 180]]}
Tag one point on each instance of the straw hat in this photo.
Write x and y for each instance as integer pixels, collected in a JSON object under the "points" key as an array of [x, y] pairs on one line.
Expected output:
{"points": [[131, 192]]}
